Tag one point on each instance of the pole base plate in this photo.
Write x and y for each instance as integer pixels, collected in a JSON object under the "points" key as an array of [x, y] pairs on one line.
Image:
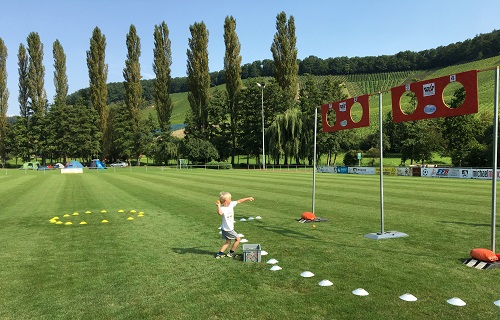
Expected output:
{"points": [[385, 235]]}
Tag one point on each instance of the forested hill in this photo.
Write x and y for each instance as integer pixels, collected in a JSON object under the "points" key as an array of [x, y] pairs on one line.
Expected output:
{"points": [[480, 47]]}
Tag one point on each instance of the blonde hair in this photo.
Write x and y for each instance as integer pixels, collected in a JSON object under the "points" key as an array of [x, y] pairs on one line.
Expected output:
{"points": [[224, 196]]}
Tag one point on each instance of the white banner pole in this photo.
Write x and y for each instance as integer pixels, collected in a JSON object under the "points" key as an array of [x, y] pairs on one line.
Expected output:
{"points": [[381, 147], [314, 156], [495, 160]]}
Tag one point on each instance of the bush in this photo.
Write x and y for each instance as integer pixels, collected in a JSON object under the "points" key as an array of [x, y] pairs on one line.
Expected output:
{"points": [[219, 165], [351, 157]]}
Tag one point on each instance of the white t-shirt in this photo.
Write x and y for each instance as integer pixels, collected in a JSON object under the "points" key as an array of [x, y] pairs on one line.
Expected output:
{"points": [[228, 216]]}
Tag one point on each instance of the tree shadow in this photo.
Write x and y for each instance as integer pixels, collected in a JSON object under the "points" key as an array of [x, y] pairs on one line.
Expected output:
{"points": [[287, 232], [467, 223], [193, 250]]}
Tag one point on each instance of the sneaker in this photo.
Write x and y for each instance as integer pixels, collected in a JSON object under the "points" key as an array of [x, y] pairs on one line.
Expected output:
{"points": [[231, 255], [218, 256]]}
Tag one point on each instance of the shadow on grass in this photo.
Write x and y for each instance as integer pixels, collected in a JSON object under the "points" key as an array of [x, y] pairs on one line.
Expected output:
{"points": [[194, 250], [467, 223], [287, 232]]}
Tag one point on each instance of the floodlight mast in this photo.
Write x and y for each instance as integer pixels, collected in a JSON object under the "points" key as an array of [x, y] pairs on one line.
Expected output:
{"points": [[262, 86]]}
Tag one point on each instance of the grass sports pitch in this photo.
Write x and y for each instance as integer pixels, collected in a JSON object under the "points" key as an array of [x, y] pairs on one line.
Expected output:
{"points": [[161, 266]]}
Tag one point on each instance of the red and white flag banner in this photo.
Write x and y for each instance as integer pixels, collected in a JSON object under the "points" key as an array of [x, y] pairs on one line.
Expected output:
{"points": [[429, 95], [343, 116]]}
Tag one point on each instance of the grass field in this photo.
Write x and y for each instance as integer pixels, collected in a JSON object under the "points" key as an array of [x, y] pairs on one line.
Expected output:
{"points": [[161, 265]]}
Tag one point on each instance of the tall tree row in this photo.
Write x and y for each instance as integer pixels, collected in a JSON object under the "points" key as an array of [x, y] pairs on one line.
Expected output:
{"points": [[37, 95], [198, 81], [4, 97], [232, 73], [161, 67], [133, 88], [60, 76], [98, 75], [284, 50]]}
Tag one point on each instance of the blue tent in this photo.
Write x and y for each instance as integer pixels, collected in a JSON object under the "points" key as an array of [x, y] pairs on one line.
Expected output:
{"points": [[74, 164], [97, 164]]}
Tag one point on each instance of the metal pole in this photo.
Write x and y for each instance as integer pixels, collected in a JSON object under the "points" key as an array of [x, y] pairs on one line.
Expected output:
{"points": [[495, 160], [381, 147], [263, 144], [314, 157]]}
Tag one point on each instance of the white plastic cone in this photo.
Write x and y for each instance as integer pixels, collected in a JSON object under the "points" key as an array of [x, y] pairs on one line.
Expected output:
{"points": [[307, 274], [272, 261], [263, 253], [241, 235], [258, 217], [456, 302], [243, 240], [325, 283], [497, 303], [275, 268], [360, 292], [408, 297]]}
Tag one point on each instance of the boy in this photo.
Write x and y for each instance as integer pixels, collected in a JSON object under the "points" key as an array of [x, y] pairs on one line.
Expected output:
{"points": [[225, 209]]}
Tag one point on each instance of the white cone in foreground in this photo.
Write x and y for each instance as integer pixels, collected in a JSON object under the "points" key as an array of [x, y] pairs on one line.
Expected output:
{"points": [[408, 297], [258, 217], [325, 283], [497, 303], [243, 240], [241, 235], [360, 292], [243, 219], [456, 302], [307, 274], [275, 268], [263, 253], [272, 261], [250, 218]]}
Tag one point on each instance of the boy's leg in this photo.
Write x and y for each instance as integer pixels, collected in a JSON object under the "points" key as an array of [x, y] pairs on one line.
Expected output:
{"points": [[235, 244], [225, 245]]}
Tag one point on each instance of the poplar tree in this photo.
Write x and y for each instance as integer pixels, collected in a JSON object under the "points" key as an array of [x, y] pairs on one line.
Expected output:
{"points": [[4, 97], [161, 67], [36, 75], [133, 88], [24, 109], [60, 77], [23, 141], [37, 96], [198, 80], [232, 74], [98, 75], [284, 52]]}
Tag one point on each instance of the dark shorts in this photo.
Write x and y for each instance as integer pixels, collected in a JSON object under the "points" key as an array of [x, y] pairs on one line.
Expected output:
{"points": [[229, 235]]}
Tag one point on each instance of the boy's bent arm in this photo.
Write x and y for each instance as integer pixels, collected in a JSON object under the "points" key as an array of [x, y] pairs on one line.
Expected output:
{"points": [[244, 199]]}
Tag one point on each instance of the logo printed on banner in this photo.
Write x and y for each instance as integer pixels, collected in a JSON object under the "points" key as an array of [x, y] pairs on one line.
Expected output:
{"points": [[453, 78], [442, 172], [429, 89], [430, 109], [342, 106], [343, 123]]}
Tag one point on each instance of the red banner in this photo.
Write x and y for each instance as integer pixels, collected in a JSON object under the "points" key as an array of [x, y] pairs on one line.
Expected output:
{"points": [[429, 95], [343, 117]]}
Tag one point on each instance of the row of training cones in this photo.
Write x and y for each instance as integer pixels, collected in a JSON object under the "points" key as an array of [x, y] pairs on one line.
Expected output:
{"points": [[362, 292], [56, 220]]}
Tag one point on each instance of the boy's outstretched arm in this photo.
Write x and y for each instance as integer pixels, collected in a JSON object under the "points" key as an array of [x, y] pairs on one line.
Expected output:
{"points": [[244, 199]]}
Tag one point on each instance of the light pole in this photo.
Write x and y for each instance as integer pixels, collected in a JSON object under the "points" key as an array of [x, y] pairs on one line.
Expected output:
{"points": [[262, 86]]}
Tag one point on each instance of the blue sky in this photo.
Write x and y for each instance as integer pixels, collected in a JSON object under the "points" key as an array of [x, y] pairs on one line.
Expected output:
{"points": [[324, 28]]}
